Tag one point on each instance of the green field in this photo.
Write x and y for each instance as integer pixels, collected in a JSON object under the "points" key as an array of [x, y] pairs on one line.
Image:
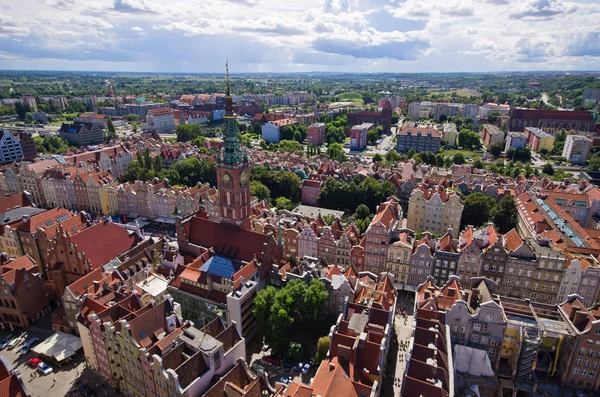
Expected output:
{"points": [[349, 97], [464, 92]]}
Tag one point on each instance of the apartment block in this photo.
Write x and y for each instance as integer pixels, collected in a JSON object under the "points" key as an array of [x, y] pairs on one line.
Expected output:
{"points": [[539, 140], [420, 138], [161, 120], [577, 149], [316, 133], [515, 139], [491, 134], [358, 136], [450, 134]]}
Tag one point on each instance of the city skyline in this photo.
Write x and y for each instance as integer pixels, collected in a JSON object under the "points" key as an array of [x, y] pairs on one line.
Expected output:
{"points": [[315, 36]]}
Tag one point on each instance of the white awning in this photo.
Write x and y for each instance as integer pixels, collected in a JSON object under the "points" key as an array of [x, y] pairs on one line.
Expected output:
{"points": [[60, 346]]}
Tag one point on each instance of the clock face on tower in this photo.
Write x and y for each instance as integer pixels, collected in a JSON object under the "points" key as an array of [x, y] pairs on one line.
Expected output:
{"points": [[226, 178], [244, 177]]}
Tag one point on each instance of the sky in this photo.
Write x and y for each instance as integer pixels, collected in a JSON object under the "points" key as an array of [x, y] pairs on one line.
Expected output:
{"points": [[401, 36]]}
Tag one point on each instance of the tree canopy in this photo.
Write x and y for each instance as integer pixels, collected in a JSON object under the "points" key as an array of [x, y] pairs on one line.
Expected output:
{"points": [[468, 139], [276, 310], [346, 196], [477, 210]]}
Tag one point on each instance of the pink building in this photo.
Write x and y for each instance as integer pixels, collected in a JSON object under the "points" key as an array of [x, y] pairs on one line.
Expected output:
{"points": [[316, 133], [311, 188], [358, 136]]}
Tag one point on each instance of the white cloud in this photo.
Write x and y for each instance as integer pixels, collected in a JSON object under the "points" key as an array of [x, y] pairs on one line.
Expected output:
{"points": [[275, 35]]}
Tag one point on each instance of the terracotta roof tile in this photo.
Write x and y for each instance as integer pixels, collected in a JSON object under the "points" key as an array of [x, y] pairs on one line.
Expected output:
{"points": [[103, 242]]}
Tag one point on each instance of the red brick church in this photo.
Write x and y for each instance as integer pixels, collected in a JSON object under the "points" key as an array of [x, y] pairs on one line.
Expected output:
{"points": [[383, 118]]}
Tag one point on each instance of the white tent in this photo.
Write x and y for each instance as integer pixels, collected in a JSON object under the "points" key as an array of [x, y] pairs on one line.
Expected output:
{"points": [[474, 361], [60, 346]]}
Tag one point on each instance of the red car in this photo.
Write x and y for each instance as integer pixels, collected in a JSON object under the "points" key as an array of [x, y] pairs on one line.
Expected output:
{"points": [[273, 360], [34, 362]]}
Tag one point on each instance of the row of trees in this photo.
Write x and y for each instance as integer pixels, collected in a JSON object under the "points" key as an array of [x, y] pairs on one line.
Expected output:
{"points": [[347, 196], [278, 182], [51, 145], [335, 130], [186, 172], [294, 132], [277, 310]]}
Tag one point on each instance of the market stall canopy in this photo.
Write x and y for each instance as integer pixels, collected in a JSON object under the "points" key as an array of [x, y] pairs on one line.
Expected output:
{"points": [[60, 346]]}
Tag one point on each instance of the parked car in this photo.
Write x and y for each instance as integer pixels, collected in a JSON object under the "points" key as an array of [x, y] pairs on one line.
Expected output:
{"points": [[27, 346], [300, 366], [273, 360], [287, 363], [44, 368], [34, 362], [4, 342], [306, 368], [285, 380], [16, 342]]}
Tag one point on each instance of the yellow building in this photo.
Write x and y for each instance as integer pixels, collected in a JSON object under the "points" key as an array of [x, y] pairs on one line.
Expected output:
{"points": [[398, 258], [434, 210]]}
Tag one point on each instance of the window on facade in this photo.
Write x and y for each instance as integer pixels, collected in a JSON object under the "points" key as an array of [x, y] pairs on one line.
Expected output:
{"points": [[475, 338], [477, 327]]}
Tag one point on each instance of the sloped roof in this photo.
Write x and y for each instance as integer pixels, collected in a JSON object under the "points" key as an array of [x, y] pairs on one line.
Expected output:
{"points": [[103, 242], [228, 240]]}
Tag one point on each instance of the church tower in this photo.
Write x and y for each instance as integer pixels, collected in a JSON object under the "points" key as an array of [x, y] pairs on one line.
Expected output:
{"points": [[233, 173]]}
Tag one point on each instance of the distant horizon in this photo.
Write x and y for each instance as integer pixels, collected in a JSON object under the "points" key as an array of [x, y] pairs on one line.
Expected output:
{"points": [[297, 72], [313, 36]]}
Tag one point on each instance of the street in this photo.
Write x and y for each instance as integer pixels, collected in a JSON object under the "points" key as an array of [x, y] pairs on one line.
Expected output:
{"points": [[62, 380]]}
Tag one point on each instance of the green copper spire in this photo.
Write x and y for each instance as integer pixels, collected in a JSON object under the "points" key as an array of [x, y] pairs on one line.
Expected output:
{"points": [[232, 153]]}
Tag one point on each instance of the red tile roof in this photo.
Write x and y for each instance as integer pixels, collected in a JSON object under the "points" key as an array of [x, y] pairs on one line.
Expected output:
{"points": [[226, 239], [104, 242], [10, 202], [160, 111], [44, 220], [332, 381], [512, 240]]}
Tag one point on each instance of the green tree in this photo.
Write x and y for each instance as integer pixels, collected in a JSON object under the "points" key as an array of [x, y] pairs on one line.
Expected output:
{"points": [[458, 158], [322, 348], [111, 133], [478, 164], [504, 214], [594, 163], [157, 164], [315, 299], [377, 158], [263, 305], [335, 151], [410, 153], [493, 117], [362, 211], [548, 169], [372, 136], [260, 191], [287, 146], [477, 210], [468, 139], [295, 351], [284, 203], [496, 149]]}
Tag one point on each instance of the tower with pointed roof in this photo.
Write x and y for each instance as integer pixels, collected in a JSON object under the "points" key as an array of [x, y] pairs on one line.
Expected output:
{"points": [[233, 173]]}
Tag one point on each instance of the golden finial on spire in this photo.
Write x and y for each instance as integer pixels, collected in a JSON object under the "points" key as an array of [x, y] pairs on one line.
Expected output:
{"points": [[227, 77]]}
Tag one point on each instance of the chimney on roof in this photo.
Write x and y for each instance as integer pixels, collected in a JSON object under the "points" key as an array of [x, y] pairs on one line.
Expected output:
{"points": [[574, 312]]}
